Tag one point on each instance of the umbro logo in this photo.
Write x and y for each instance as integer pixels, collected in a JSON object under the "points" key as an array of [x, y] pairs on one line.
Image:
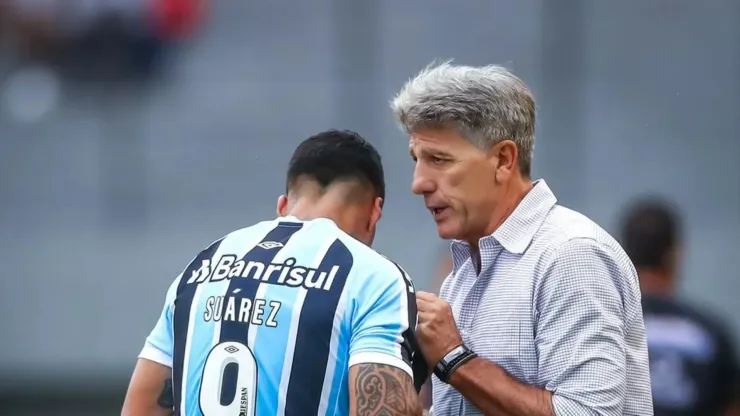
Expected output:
{"points": [[268, 245]]}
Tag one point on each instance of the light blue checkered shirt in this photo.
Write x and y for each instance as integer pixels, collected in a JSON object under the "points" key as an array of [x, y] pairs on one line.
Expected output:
{"points": [[556, 305]]}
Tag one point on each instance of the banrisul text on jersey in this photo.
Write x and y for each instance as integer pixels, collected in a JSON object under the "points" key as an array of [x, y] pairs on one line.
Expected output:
{"points": [[287, 273]]}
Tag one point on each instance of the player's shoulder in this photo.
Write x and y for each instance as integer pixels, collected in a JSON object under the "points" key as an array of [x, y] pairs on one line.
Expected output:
{"points": [[372, 265], [365, 259]]}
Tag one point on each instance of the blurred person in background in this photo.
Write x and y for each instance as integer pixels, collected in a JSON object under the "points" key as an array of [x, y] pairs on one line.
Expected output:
{"points": [[98, 41], [316, 321], [126, 40], [541, 314], [31, 28], [692, 357]]}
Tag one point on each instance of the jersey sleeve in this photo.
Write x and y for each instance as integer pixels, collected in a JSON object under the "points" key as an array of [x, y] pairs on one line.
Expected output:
{"points": [[384, 319], [159, 345]]}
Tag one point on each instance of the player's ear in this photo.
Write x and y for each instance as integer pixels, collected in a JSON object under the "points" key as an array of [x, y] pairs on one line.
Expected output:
{"points": [[376, 213], [282, 206]]}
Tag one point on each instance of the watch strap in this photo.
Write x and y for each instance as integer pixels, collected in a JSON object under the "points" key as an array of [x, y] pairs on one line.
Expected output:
{"points": [[451, 361]]}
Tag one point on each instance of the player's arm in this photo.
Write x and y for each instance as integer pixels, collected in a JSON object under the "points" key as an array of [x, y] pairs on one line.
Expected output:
{"points": [[150, 390], [382, 348], [382, 389]]}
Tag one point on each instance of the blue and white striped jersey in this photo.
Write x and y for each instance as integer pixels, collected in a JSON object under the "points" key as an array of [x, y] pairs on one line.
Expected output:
{"points": [[267, 321]]}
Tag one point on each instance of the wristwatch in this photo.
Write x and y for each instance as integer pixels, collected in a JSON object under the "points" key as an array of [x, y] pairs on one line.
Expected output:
{"points": [[451, 361]]}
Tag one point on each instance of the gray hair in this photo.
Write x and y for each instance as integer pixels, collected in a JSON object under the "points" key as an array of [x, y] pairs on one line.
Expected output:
{"points": [[484, 104]]}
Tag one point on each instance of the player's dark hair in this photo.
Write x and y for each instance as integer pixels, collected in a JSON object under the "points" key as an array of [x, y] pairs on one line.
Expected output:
{"points": [[650, 230], [335, 155]]}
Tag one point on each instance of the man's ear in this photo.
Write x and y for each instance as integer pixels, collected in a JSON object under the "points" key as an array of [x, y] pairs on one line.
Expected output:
{"points": [[504, 155], [282, 206], [376, 213]]}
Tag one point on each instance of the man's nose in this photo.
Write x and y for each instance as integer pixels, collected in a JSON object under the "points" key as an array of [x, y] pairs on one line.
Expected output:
{"points": [[421, 184]]}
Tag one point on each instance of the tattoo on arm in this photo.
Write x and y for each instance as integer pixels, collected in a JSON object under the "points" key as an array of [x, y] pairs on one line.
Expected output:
{"points": [[166, 398], [384, 390]]}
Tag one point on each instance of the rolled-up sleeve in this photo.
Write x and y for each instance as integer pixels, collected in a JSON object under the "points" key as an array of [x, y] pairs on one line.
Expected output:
{"points": [[580, 330]]}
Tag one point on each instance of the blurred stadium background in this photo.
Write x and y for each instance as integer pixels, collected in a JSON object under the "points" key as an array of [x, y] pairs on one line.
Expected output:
{"points": [[133, 133]]}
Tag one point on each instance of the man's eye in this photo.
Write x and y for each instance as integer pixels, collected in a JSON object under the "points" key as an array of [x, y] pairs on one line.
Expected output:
{"points": [[437, 160]]}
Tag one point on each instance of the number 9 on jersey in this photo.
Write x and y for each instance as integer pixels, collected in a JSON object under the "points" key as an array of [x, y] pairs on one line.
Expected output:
{"points": [[214, 380]]}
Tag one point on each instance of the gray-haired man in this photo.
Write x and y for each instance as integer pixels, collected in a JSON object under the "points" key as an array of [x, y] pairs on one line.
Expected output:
{"points": [[541, 314]]}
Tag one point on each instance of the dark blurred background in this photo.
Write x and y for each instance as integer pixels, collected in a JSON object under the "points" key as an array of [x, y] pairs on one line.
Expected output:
{"points": [[135, 132]]}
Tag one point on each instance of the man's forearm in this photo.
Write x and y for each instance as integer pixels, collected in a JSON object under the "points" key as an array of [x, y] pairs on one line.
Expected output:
{"points": [[493, 391]]}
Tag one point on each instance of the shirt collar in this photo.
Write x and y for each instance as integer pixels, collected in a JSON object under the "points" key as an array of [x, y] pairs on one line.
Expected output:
{"points": [[518, 230]]}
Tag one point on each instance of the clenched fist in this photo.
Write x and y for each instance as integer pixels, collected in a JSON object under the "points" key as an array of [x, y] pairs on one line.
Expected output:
{"points": [[436, 330]]}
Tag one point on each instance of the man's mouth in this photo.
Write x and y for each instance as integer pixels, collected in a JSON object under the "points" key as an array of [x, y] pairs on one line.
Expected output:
{"points": [[438, 212]]}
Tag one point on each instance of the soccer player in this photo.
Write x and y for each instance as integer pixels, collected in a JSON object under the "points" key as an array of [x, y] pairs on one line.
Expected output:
{"points": [[293, 316], [693, 367]]}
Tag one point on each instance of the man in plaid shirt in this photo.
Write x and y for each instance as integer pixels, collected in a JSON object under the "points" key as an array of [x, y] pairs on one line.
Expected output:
{"points": [[541, 314]]}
